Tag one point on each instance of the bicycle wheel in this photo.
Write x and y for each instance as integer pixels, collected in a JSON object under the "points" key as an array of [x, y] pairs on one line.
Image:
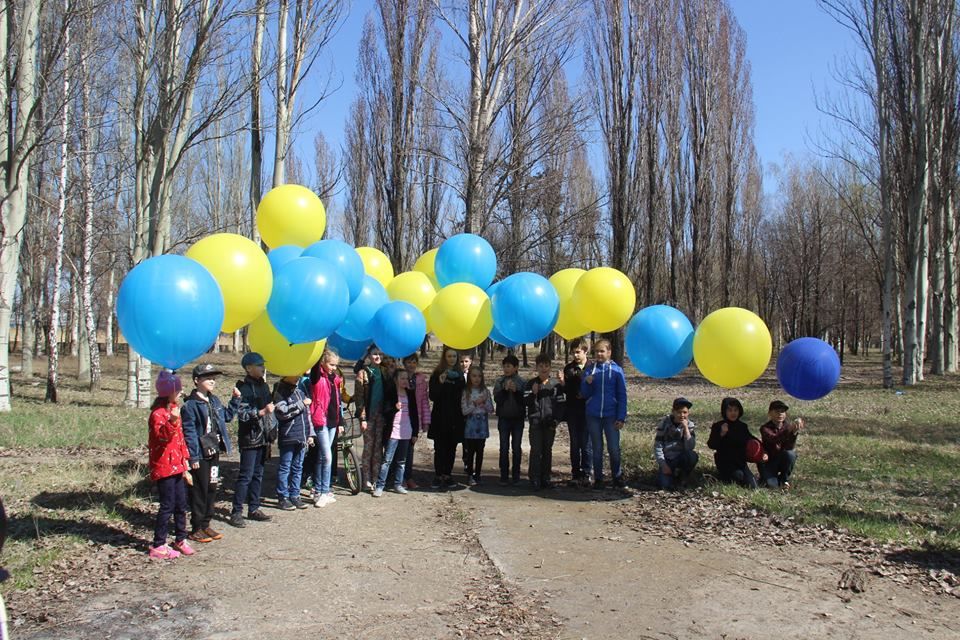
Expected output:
{"points": [[351, 469]]}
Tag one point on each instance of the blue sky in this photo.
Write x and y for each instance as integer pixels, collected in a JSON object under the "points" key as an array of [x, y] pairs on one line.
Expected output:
{"points": [[792, 46]]}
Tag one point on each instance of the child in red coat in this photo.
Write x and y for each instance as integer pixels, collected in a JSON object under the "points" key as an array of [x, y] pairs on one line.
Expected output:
{"points": [[169, 468]]}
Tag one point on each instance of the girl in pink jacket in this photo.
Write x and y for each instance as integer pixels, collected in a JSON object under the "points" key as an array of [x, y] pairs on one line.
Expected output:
{"points": [[325, 413]]}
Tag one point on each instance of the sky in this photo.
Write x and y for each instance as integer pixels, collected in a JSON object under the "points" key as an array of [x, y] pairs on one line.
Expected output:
{"points": [[792, 46]]}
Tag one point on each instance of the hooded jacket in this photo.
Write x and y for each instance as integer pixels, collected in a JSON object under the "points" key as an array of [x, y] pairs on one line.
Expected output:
{"points": [[730, 449], [606, 396], [253, 428], [168, 450], [293, 416]]}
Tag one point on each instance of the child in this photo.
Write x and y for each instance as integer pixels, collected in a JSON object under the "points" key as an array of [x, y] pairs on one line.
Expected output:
{"points": [[257, 426], [581, 462], [446, 418], [673, 445], [476, 405], [728, 438], [205, 430], [400, 412], [169, 466], [779, 441], [368, 395], [420, 385], [466, 361], [540, 394], [508, 393], [604, 389], [325, 412], [295, 434]]}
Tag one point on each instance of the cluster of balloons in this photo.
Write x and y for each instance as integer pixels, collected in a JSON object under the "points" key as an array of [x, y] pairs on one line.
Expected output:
{"points": [[308, 292]]}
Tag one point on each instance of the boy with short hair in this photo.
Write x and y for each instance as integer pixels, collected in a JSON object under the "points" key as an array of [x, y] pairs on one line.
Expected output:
{"points": [[673, 445], [540, 394], [295, 434], [508, 395], [779, 437], [581, 462], [604, 389], [255, 415]]}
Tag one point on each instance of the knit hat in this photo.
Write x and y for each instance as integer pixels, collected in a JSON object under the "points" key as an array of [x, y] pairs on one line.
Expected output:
{"points": [[168, 384]]}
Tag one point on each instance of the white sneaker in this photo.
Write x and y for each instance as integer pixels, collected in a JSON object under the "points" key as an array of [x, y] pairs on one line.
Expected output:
{"points": [[368, 486], [320, 501], [329, 497], [377, 492]]}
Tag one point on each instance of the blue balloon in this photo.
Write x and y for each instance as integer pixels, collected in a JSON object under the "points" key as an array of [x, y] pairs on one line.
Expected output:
{"points": [[525, 307], [283, 254], [660, 341], [466, 257], [399, 328], [347, 349], [495, 334], [357, 324], [170, 310], [344, 257], [808, 368], [309, 300]]}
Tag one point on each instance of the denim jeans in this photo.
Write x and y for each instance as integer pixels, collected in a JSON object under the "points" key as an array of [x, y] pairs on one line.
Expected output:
{"points": [[395, 455], [511, 438], [600, 428], [290, 469], [776, 471], [249, 480], [321, 473], [581, 453], [683, 463]]}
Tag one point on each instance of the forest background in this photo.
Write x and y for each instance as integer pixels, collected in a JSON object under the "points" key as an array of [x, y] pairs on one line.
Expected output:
{"points": [[135, 128]]}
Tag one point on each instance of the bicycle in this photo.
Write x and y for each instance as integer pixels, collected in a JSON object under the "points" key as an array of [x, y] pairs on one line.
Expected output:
{"points": [[351, 461]]}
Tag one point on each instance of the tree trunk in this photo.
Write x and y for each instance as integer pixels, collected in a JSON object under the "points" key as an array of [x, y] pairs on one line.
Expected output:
{"points": [[282, 97], [108, 311], [86, 277], [950, 282], [29, 336], [256, 133]]}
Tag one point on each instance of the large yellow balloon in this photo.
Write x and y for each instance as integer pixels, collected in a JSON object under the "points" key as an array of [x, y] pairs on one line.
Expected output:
{"points": [[604, 299], [291, 214], [281, 357], [732, 347], [424, 264], [243, 272], [376, 264], [568, 327], [460, 315], [413, 287]]}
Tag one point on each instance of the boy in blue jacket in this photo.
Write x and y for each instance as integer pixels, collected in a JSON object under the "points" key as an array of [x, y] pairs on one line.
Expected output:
{"points": [[604, 388]]}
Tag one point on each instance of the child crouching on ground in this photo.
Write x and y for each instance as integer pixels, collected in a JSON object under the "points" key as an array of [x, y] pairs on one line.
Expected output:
{"points": [[400, 411], [169, 468]]}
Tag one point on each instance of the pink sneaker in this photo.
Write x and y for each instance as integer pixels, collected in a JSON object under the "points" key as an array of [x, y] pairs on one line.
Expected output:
{"points": [[163, 552], [184, 548]]}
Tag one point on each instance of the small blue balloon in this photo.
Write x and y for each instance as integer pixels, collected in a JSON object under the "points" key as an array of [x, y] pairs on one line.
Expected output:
{"points": [[347, 349], [344, 257], [170, 310], [466, 257], [399, 328], [283, 254], [660, 341], [808, 368], [525, 307], [309, 300], [357, 324]]}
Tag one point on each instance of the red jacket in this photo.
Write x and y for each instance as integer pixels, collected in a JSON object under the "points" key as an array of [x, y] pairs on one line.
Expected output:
{"points": [[320, 394], [168, 450], [778, 437]]}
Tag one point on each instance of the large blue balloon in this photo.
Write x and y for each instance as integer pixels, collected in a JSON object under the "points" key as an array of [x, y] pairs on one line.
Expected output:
{"points": [[808, 368], [309, 300], [283, 254], [660, 341], [357, 324], [525, 307], [347, 349], [344, 257], [495, 334], [466, 257], [399, 328], [170, 310]]}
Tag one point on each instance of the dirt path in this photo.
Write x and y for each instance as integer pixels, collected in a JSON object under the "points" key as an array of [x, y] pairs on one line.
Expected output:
{"points": [[500, 562]]}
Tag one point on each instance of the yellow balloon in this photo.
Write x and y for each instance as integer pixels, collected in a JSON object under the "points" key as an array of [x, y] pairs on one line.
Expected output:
{"points": [[281, 357], [291, 214], [413, 287], [732, 347], [568, 327], [376, 264], [460, 315], [242, 270], [604, 299], [424, 264]]}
